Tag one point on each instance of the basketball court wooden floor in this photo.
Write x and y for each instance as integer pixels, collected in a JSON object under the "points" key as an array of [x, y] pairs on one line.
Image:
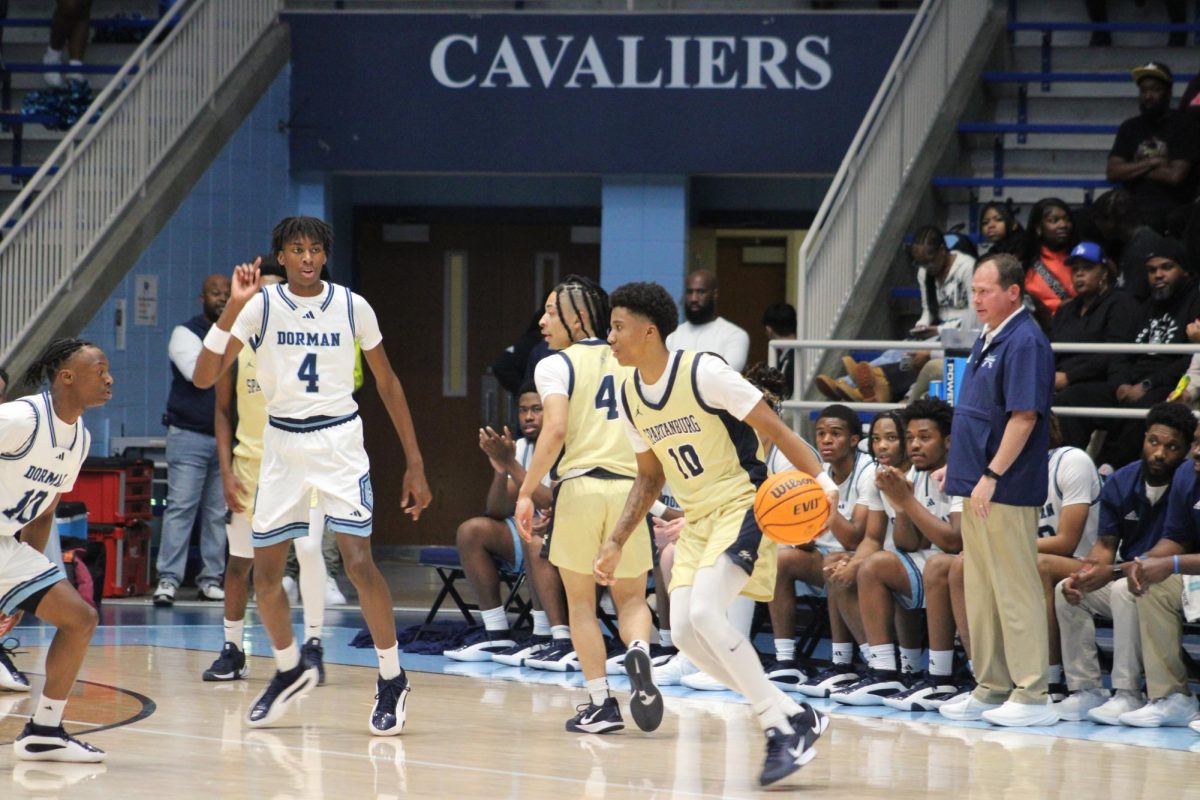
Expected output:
{"points": [[498, 734]]}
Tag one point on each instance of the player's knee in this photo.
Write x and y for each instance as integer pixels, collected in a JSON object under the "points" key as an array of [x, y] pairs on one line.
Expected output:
{"points": [[467, 537], [238, 568]]}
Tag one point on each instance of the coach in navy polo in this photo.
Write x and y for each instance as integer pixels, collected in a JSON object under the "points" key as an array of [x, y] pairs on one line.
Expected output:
{"points": [[998, 465]]}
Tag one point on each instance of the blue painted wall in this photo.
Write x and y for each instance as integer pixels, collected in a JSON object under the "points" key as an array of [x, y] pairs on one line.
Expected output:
{"points": [[643, 229], [227, 217]]}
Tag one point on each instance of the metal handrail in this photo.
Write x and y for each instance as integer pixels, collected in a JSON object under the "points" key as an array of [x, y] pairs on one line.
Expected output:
{"points": [[893, 132], [102, 164], [1113, 348]]}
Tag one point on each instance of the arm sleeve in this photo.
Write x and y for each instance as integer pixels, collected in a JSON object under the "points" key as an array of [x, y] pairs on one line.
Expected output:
{"points": [[1077, 479], [868, 493], [1021, 380], [1110, 510], [184, 348], [1177, 523], [722, 388], [1123, 144], [17, 424], [737, 347], [636, 441], [553, 376], [366, 324], [249, 323], [925, 315]]}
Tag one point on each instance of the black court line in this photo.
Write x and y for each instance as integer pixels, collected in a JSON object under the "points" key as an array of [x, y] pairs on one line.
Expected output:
{"points": [[148, 708]]}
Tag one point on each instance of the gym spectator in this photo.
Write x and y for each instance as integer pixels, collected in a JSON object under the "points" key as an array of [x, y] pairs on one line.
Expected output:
{"points": [[1154, 154], [1143, 379], [1132, 515], [780, 321], [1097, 11], [194, 487], [944, 280], [1097, 313], [70, 28], [702, 330], [1001, 231], [1126, 239], [1157, 580], [1051, 236]]}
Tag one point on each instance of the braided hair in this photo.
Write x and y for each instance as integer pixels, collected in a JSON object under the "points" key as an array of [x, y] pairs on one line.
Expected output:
{"points": [[583, 294], [57, 353], [770, 382]]}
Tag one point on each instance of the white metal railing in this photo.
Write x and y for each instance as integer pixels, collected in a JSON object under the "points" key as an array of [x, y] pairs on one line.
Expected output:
{"points": [[99, 169], [1108, 348], [844, 234]]}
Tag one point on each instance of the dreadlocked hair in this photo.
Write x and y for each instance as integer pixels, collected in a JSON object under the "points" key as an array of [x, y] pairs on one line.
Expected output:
{"points": [[898, 420], [311, 228], [57, 353], [581, 295], [770, 382]]}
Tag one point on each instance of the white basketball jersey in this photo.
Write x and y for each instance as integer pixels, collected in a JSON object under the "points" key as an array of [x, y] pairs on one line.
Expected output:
{"points": [[1073, 480], [305, 349], [46, 464]]}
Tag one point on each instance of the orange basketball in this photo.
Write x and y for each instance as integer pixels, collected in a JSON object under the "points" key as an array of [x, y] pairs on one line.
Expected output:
{"points": [[791, 508]]}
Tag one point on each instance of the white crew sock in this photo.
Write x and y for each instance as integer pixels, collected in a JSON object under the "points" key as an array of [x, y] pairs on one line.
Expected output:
{"points": [[389, 662], [234, 631], [49, 712], [495, 619], [910, 659], [288, 658], [843, 652], [883, 656], [560, 632], [541, 623], [598, 690], [941, 662], [785, 649]]}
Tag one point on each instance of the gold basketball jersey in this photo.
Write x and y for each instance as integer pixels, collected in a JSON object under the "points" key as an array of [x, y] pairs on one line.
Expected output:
{"points": [[251, 408], [711, 458], [595, 439]]}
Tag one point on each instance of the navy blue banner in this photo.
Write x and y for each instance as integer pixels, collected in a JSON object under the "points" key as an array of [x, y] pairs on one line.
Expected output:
{"points": [[593, 93]]}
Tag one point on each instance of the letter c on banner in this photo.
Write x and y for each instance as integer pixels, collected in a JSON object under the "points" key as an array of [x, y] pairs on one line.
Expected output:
{"points": [[437, 60]]}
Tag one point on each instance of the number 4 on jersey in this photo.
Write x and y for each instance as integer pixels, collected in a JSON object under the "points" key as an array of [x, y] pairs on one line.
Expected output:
{"points": [[308, 372], [606, 398]]}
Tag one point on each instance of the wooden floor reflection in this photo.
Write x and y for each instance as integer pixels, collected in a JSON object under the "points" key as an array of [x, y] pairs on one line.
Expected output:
{"points": [[470, 737]]}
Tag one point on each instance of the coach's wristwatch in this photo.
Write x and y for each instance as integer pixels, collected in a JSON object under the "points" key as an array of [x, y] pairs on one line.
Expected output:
{"points": [[988, 472], [1118, 573]]}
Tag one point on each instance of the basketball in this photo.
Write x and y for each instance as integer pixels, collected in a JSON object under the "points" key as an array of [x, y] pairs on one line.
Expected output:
{"points": [[791, 508]]}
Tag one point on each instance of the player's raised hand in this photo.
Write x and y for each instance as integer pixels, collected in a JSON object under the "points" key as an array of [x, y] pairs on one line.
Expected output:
{"points": [[415, 496], [245, 282]]}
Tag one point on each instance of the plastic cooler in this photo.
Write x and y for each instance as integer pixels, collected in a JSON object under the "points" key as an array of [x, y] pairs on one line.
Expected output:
{"points": [[115, 491], [126, 558]]}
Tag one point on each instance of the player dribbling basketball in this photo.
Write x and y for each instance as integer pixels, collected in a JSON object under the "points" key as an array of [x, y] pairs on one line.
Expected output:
{"points": [[689, 416]]}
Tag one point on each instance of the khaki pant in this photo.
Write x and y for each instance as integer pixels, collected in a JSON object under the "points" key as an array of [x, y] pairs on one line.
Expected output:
{"points": [[1160, 618], [1081, 661], [1006, 611]]}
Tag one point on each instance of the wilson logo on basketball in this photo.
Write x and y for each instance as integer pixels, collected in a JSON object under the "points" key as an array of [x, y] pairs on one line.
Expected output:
{"points": [[780, 489], [791, 508]]}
